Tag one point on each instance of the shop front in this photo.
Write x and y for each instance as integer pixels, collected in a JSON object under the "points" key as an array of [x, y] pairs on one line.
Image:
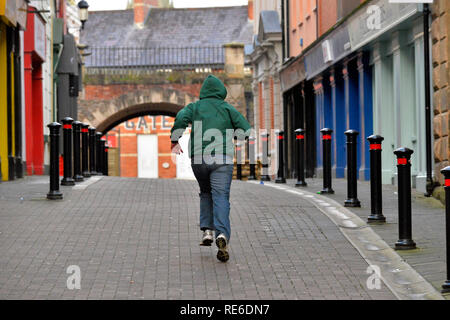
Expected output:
{"points": [[12, 23], [396, 59], [35, 53], [371, 79], [299, 112]]}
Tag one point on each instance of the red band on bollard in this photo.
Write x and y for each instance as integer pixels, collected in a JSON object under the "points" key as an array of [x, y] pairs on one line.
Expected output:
{"points": [[375, 147], [326, 137], [447, 182], [280, 137], [67, 126], [264, 139], [252, 142], [402, 161], [84, 130], [300, 137]]}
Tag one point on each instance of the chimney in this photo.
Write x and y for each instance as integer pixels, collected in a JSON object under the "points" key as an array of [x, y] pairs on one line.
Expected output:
{"points": [[141, 8], [250, 10]]}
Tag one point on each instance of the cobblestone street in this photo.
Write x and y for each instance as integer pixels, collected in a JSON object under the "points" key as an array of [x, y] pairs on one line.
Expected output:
{"points": [[139, 239]]}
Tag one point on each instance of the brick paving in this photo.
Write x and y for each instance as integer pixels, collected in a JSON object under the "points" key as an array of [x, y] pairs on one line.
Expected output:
{"points": [[139, 239], [428, 225]]}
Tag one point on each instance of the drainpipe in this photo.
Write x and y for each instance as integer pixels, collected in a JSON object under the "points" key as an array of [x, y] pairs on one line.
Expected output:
{"points": [[288, 49], [317, 19], [426, 38]]}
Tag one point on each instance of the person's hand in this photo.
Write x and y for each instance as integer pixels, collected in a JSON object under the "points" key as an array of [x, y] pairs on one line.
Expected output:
{"points": [[176, 148]]}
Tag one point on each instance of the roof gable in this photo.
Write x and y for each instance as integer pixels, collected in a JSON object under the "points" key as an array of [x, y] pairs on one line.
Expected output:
{"points": [[269, 26]]}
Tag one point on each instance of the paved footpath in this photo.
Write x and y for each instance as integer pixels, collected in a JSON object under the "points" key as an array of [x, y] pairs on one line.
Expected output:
{"points": [[428, 225], [139, 239]]}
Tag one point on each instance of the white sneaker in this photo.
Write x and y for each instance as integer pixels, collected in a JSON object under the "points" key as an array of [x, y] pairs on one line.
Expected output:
{"points": [[222, 254], [208, 238]]}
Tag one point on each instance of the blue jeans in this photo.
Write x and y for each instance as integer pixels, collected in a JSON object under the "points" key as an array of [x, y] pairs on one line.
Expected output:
{"points": [[215, 182]]}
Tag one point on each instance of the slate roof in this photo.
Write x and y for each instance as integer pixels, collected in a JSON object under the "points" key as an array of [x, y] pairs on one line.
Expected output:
{"points": [[207, 28], [269, 24]]}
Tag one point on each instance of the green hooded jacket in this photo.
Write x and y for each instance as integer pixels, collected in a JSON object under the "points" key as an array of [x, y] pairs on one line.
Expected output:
{"points": [[213, 120]]}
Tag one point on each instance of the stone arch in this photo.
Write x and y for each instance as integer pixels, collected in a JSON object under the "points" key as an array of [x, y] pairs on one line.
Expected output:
{"points": [[165, 109], [153, 100]]}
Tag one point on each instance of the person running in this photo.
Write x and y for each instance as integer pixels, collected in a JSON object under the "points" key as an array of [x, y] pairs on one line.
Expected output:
{"points": [[215, 124]]}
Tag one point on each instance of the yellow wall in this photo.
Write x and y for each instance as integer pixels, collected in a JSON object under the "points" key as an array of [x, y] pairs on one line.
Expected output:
{"points": [[13, 109], [3, 104]]}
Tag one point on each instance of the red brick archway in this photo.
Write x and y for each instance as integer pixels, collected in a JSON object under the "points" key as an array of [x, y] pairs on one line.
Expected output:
{"points": [[105, 106], [152, 109]]}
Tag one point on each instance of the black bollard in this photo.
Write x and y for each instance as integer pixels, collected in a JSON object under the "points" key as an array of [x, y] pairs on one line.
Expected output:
{"points": [[106, 160], [67, 155], [300, 145], [265, 157], [85, 150], [405, 241], [77, 151], [446, 173], [54, 193], [252, 158], [326, 140], [376, 194], [99, 154], [238, 161], [92, 151], [280, 175], [352, 168]]}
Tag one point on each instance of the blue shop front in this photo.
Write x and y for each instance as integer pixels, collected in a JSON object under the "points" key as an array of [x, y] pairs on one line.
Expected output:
{"points": [[370, 79]]}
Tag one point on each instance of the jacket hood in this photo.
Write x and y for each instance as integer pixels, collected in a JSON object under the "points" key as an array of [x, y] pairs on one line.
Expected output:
{"points": [[213, 88]]}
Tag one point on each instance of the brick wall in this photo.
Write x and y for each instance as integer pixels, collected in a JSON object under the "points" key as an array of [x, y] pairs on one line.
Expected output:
{"points": [[328, 15], [112, 91], [127, 141], [302, 25], [441, 78]]}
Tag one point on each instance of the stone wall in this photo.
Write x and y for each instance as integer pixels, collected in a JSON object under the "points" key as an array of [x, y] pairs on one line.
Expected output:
{"points": [[441, 78]]}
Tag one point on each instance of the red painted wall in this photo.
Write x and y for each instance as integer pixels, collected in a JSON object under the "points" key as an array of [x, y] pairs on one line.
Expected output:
{"points": [[34, 127]]}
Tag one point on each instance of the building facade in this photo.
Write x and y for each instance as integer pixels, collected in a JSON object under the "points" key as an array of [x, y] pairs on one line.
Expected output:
{"points": [[361, 65], [370, 79], [139, 148], [138, 77], [441, 85], [28, 83], [358, 65], [266, 58], [13, 22]]}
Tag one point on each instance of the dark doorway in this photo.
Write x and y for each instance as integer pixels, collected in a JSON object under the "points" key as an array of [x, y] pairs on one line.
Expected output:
{"points": [[299, 112]]}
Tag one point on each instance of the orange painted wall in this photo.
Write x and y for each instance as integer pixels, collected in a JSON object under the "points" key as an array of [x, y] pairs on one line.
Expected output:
{"points": [[302, 25], [328, 15]]}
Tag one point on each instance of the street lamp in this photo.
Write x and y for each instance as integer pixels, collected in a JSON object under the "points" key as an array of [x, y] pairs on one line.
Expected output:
{"points": [[83, 12]]}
